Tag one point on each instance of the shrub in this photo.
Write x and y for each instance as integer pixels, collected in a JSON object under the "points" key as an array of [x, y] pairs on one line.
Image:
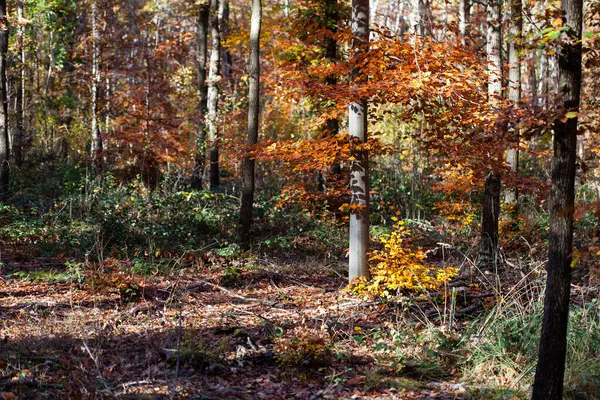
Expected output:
{"points": [[400, 268], [304, 348]]}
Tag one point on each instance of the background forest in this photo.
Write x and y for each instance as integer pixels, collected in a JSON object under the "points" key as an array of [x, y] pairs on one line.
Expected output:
{"points": [[272, 199]]}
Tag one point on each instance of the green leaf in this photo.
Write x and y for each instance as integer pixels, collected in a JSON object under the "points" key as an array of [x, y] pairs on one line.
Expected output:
{"points": [[571, 114], [554, 35]]}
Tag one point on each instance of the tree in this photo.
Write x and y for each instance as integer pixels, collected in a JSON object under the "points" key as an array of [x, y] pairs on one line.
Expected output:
{"points": [[224, 30], [248, 163], [491, 203], [97, 144], [332, 126], [359, 168], [20, 88], [4, 142], [514, 89], [549, 375], [200, 155], [420, 21], [464, 19], [214, 75]]}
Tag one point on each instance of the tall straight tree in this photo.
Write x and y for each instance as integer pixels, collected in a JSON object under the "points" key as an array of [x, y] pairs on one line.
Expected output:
{"points": [[96, 148], [248, 163], [464, 20], [224, 31], [332, 126], [214, 75], [200, 155], [491, 203], [359, 168], [514, 88], [550, 372], [4, 142], [20, 95]]}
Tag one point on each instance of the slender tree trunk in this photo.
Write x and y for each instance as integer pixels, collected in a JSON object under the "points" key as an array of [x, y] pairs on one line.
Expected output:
{"points": [[224, 30], [213, 97], [248, 163], [464, 20], [373, 7], [20, 111], [511, 195], [543, 82], [200, 155], [96, 149], [359, 168], [4, 144], [332, 126], [419, 24], [549, 375], [491, 203]]}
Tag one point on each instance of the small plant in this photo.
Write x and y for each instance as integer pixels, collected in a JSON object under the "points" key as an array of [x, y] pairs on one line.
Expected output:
{"points": [[308, 347], [400, 268]]}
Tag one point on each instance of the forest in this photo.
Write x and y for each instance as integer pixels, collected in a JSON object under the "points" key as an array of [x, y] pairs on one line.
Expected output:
{"points": [[300, 199]]}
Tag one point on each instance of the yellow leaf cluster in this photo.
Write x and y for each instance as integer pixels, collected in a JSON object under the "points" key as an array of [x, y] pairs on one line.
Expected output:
{"points": [[400, 268]]}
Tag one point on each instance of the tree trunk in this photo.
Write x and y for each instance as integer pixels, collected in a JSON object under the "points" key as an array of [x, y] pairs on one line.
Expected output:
{"points": [[489, 225], [359, 168], [491, 204], [96, 149], [19, 112], [549, 375], [248, 163], [332, 126], [200, 155], [419, 19], [464, 19], [224, 30], [4, 143], [511, 194], [213, 97]]}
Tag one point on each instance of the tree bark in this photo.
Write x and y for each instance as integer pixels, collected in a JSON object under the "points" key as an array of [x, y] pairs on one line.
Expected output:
{"points": [[359, 169], [224, 30], [20, 110], [214, 77], [96, 149], [491, 204], [200, 155], [489, 225], [248, 163], [464, 20], [4, 142], [420, 19], [549, 375], [511, 194], [332, 126]]}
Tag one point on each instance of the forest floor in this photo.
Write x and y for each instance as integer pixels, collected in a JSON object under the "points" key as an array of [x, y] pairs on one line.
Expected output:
{"points": [[264, 331]]}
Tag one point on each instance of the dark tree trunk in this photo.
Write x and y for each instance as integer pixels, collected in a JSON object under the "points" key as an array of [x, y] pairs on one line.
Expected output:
{"points": [[549, 375], [200, 155], [224, 24], [359, 168], [489, 223], [491, 203], [4, 142], [248, 162], [332, 126]]}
